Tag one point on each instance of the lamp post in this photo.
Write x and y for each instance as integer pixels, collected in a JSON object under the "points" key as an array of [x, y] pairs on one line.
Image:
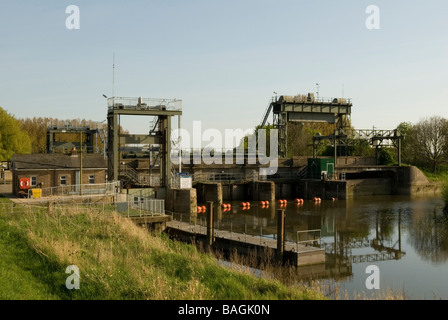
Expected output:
{"points": [[80, 164]]}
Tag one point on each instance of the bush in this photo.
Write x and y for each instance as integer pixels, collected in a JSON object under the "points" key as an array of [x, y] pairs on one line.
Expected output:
{"points": [[386, 156]]}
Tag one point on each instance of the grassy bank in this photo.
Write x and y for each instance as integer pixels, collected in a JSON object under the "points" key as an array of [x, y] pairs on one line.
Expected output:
{"points": [[440, 176], [117, 260]]}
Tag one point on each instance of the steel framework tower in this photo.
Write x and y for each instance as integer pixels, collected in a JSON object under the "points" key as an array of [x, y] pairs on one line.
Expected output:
{"points": [[306, 108], [163, 109]]}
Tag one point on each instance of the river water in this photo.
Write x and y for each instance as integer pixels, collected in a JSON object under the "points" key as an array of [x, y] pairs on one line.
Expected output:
{"points": [[406, 238]]}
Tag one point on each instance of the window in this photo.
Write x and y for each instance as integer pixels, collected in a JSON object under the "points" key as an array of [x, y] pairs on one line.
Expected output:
{"points": [[33, 181], [63, 180], [92, 179]]}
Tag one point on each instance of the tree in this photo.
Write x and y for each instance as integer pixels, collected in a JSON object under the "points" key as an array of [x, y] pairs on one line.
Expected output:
{"points": [[429, 142], [407, 152], [37, 130], [12, 138], [386, 156]]}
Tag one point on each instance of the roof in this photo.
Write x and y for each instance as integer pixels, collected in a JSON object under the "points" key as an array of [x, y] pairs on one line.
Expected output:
{"points": [[57, 161]]}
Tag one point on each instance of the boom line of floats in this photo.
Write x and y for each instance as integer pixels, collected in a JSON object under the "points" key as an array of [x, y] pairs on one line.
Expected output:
{"points": [[263, 204]]}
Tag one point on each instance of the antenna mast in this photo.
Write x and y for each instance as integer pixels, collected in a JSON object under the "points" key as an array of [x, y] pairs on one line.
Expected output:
{"points": [[113, 75]]}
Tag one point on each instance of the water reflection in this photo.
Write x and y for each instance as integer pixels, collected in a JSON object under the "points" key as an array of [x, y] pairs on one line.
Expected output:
{"points": [[429, 237], [373, 230]]}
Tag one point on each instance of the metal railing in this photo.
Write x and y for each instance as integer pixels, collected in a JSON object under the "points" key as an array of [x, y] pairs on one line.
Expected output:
{"points": [[129, 173], [77, 189], [311, 239], [131, 207], [313, 99], [303, 173], [144, 103], [261, 234], [138, 206], [225, 177]]}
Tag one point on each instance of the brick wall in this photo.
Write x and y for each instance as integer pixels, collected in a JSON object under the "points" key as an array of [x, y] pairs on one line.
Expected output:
{"points": [[52, 178]]}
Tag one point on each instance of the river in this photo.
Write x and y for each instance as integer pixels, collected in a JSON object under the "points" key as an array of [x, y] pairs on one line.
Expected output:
{"points": [[405, 237]]}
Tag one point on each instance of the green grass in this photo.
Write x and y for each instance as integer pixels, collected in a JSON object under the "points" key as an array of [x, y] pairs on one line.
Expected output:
{"points": [[117, 260], [445, 190], [440, 176]]}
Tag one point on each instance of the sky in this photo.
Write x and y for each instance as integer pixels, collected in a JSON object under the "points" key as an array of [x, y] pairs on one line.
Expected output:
{"points": [[224, 59]]}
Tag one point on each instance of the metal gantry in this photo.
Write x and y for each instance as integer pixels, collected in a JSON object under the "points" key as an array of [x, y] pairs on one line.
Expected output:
{"points": [[54, 144], [306, 108], [164, 110], [347, 136]]}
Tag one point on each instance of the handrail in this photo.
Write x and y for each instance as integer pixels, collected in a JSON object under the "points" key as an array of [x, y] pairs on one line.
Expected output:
{"points": [[319, 239], [135, 103]]}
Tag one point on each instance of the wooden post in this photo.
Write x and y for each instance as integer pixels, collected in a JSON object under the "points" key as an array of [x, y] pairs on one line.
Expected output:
{"points": [[50, 207], [210, 235], [280, 234]]}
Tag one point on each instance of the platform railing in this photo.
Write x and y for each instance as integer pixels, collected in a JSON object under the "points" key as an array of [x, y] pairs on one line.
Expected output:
{"points": [[144, 103]]}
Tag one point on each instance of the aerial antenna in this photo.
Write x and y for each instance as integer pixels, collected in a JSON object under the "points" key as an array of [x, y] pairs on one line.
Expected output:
{"points": [[113, 75], [342, 91]]}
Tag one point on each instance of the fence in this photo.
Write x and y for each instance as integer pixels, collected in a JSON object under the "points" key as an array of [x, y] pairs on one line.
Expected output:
{"points": [[107, 188], [225, 177], [148, 207], [129, 208], [141, 204], [11, 208]]}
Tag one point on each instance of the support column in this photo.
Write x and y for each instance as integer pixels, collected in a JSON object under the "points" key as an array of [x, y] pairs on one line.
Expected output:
{"points": [[210, 226], [335, 150], [280, 234], [165, 163], [113, 155]]}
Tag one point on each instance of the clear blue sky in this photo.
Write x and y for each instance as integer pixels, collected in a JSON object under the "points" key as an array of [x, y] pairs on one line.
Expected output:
{"points": [[224, 59]]}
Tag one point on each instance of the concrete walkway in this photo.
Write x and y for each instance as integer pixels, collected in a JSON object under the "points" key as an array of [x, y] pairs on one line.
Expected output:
{"points": [[6, 190]]}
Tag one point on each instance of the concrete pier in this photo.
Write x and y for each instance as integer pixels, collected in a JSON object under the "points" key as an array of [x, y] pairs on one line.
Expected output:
{"points": [[181, 200], [154, 223], [209, 192]]}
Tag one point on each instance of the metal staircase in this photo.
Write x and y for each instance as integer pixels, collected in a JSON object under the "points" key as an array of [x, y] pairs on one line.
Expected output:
{"points": [[267, 112], [130, 175], [303, 173], [154, 127], [174, 174]]}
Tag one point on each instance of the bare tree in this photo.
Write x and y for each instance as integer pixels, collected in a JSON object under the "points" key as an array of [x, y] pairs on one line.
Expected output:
{"points": [[429, 139]]}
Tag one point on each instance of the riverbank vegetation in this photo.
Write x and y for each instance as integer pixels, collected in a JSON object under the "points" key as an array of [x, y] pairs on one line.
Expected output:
{"points": [[425, 145], [116, 260], [445, 196]]}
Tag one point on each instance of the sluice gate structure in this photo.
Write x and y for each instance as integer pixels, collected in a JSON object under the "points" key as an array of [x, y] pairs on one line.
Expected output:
{"points": [[158, 138]]}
